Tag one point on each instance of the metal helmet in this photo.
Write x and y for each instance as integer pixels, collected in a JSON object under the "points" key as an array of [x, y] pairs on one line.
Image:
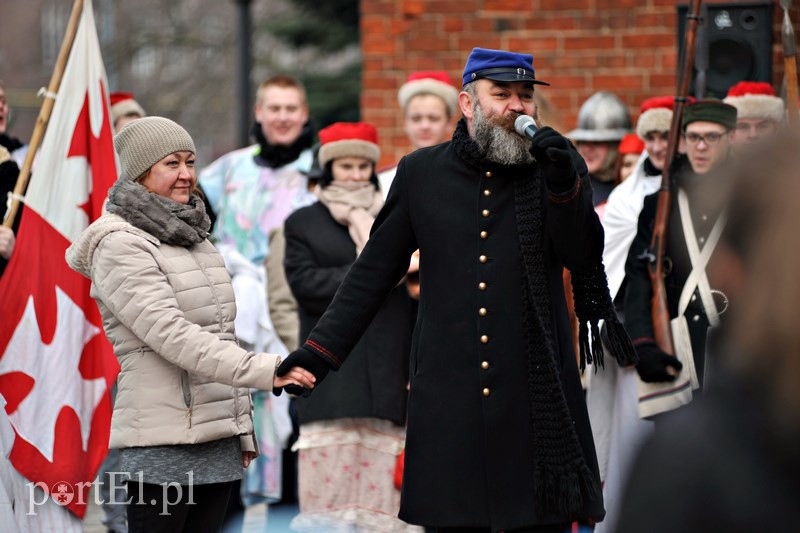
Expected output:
{"points": [[603, 117]]}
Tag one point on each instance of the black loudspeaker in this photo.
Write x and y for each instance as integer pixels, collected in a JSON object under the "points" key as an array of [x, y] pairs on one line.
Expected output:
{"points": [[736, 41]]}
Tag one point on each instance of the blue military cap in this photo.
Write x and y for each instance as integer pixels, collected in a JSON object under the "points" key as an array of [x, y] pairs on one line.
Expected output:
{"points": [[499, 65]]}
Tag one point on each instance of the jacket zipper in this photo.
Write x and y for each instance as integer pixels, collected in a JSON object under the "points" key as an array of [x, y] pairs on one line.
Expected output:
{"points": [[188, 397], [213, 293]]}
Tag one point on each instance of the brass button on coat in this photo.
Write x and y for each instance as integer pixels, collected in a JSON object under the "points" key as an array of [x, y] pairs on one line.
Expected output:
{"points": [[487, 391], [485, 365], [482, 286], [488, 173], [487, 192], [482, 311], [483, 259], [486, 213], [484, 234], [484, 339]]}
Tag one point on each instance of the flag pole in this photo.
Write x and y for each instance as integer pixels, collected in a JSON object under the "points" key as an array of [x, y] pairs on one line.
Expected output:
{"points": [[45, 111]]}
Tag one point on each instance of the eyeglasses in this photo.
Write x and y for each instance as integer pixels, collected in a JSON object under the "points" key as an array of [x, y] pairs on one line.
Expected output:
{"points": [[710, 138]]}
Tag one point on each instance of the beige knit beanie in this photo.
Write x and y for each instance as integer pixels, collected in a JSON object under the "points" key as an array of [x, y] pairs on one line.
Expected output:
{"points": [[146, 141]]}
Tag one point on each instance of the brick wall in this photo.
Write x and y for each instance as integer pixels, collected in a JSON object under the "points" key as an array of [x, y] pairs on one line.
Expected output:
{"points": [[579, 46]]}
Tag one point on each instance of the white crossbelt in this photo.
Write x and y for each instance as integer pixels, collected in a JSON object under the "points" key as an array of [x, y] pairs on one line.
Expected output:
{"points": [[699, 259]]}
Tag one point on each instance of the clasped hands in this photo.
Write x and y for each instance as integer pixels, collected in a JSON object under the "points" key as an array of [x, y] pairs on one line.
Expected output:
{"points": [[300, 372]]}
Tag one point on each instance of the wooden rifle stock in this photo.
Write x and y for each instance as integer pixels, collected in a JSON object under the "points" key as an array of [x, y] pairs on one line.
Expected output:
{"points": [[790, 64], [659, 306]]}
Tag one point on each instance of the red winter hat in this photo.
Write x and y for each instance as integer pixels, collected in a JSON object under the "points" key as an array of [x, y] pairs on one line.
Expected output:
{"points": [[123, 105], [631, 144], [348, 139], [755, 99], [666, 102], [435, 82], [655, 115]]}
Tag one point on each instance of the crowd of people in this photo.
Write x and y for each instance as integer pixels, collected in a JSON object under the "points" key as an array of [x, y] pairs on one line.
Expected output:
{"points": [[461, 341]]}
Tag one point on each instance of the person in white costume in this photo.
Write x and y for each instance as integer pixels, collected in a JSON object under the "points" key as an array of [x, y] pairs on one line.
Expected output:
{"points": [[612, 395]]}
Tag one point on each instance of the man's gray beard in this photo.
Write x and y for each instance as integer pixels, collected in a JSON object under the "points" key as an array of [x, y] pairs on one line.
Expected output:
{"points": [[497, 143]]}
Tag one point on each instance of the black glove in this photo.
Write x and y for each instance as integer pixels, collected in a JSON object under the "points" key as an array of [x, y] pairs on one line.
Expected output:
{"points": [[304, 358], [553, 153], [653, 363]]}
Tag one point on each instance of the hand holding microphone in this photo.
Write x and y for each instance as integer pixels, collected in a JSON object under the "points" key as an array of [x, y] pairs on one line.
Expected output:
{"points": [[553, 154]]}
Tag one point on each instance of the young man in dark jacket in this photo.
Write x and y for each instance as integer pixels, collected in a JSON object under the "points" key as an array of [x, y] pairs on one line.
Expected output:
{"points": [[498, 436], [694, 225]]}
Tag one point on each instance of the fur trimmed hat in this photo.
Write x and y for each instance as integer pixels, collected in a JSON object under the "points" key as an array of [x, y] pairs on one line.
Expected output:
{"points": [[655, 114], [144, 142], [755, 99], [123, 105], [348, 139], [435, 82]]}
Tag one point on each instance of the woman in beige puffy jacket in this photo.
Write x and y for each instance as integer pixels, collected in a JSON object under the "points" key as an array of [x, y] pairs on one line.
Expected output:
{"points": [[182, 418]]}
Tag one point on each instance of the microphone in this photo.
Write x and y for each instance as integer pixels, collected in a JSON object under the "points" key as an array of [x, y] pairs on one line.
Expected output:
{"points": [[525, 125]]}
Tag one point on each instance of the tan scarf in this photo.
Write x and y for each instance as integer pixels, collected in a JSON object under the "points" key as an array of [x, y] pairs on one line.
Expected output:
{"points": [[354, 204]]}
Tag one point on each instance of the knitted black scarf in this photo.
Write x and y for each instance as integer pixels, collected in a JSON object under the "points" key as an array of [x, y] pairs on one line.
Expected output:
{"points": [[562, 478], [278, 155]]}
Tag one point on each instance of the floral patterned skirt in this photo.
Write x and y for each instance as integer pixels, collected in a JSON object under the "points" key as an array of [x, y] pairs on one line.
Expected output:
{"points": [[346, 476]]}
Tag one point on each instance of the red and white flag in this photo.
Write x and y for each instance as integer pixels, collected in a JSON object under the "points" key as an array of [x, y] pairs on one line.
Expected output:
{"points": [[56, 365]]}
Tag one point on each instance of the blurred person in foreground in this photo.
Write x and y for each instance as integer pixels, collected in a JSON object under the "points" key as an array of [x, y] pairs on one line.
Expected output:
{"points": [[352, 428], [182, 418], [498, 437], [729, 461]]}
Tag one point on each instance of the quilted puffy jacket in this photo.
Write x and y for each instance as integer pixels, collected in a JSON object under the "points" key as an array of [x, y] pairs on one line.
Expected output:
{"points": [[168, 311]]}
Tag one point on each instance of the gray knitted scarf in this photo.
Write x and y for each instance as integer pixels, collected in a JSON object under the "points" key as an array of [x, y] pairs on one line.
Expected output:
{"points": [[169, 221]]}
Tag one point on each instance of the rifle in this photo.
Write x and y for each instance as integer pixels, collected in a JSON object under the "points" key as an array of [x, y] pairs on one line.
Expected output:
{"points": [[790, 65], [655, 254]]}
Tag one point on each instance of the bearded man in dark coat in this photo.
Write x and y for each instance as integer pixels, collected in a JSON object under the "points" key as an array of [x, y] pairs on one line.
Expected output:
{"points": [[498, 436]]}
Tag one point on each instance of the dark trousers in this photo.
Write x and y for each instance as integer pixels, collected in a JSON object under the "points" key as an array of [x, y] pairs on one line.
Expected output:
{"points": [[172, 508]]}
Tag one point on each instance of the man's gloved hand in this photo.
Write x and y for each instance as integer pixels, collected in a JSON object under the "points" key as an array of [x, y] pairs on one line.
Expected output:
{"points": [[304, 358], [553, 154], [656, 365]]}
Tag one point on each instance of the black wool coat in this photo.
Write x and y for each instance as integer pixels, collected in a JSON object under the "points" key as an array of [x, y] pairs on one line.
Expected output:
{"points": [[319, 252], [468, 445]]}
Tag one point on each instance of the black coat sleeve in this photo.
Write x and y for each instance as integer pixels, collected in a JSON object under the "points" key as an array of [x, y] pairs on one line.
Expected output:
{"points": [[380, 267], [639, 293], [572, 223]]}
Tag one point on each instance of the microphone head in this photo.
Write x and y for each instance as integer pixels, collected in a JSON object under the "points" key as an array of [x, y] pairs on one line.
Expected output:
{"points": [[522, 123]]}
